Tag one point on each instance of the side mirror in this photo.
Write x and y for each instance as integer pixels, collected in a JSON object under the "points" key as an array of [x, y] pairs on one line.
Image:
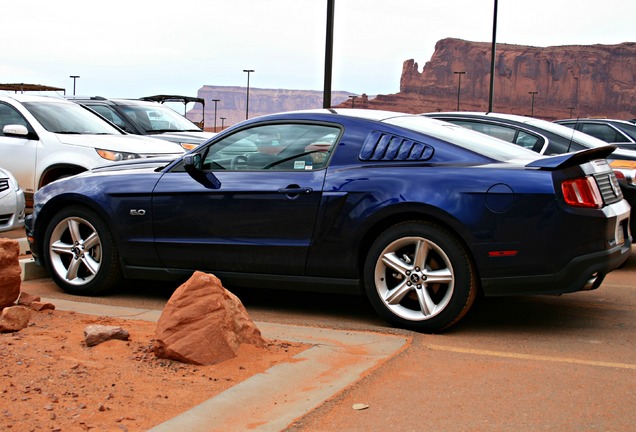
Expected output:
{"points": [[15, 130], [193, 160], [193, 166]]}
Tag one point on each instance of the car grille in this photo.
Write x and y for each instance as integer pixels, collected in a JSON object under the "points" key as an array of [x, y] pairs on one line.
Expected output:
{"points": [[609, 187], [4, 219], [4, 184]]}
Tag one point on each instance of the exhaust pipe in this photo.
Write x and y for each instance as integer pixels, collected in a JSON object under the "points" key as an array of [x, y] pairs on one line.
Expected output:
{"points": [[594, 282]]}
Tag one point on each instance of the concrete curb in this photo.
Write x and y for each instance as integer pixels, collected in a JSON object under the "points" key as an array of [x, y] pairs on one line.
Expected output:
{"points": [[272, 400]]}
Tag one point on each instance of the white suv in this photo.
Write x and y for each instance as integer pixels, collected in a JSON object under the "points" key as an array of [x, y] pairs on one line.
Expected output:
{"points": [[46, 138]]}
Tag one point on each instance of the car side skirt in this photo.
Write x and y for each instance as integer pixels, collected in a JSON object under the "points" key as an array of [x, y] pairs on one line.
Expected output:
{"points": [[249, 280]]}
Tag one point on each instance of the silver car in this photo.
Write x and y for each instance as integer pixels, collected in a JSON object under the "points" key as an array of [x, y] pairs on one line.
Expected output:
{"points": [[11, 202]]}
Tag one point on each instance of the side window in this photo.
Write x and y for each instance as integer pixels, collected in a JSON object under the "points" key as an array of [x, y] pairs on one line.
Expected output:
{"points": [[497, 131], [9, 116], [531, 142], [287, 147], [110, 114], [603, 132]]}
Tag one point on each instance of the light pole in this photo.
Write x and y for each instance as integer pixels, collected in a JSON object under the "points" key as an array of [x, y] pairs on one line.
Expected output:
{"points": [[493, 49], [353, 99], [75, 77], [247, 100], [222, 123], [571, 109], [215, 102], [459, 85], [532, 109], [326, 95]]}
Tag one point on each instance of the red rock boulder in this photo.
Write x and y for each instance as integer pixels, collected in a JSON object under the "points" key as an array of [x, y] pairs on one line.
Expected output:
{"points": [[9, 272], [203, 323]]}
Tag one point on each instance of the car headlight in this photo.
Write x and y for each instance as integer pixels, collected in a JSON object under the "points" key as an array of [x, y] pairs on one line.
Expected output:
{"points": [[116, 156], [188, 146], [625, 171]]}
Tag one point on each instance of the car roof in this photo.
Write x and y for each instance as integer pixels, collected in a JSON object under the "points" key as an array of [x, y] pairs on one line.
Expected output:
{"points": [[377, 115], [112, 101], [594, 120], [34, 98]]}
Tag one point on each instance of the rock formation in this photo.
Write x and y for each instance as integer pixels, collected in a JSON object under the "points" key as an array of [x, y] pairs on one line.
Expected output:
{"points": [[204, 324], [232, 103], [570, 81]]}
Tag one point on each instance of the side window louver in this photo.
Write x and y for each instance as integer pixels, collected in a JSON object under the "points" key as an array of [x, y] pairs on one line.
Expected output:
{"points": [[385, 147]]}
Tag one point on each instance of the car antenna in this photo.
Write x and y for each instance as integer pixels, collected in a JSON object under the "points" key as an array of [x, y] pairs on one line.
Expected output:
{"points": [[576, 123]]}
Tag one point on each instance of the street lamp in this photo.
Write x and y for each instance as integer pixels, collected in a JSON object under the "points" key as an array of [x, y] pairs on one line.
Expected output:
{"points": [[247, 100], [353, 99], [215, 102], [222, 123], [459, 85], [571, 109], [532, 109], [75, 77]]}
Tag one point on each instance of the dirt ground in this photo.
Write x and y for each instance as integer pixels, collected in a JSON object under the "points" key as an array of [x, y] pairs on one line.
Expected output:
{"points": [[51, 381]]}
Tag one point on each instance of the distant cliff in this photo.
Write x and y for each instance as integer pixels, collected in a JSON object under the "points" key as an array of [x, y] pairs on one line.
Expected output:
{"points": [[594, 80], [232, 103]]}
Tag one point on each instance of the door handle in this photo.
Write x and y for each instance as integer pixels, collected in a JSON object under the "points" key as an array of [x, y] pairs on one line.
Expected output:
{"points": [[295, 190]]}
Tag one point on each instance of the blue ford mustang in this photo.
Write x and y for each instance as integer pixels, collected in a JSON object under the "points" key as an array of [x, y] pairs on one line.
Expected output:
{"points": [[418, 214]]}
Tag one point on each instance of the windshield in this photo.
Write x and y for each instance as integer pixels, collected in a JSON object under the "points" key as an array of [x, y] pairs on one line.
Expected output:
{"points": [[474, 141], [69, 118], [158, 118]]}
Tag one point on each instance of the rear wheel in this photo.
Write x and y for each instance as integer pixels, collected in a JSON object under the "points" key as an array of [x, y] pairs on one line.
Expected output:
{"points": [[418, 276], [80, 253]]}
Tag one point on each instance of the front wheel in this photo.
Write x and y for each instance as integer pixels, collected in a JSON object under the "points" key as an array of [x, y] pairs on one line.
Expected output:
{"points": [[80, 253], [417, 275]]}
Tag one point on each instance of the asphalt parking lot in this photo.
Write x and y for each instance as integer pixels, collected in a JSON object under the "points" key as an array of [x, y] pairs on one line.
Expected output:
{"points": [[532, 363]]}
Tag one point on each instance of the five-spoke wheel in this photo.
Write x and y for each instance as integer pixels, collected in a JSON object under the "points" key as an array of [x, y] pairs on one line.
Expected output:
{"points": [[79, 252], [418, 276]]}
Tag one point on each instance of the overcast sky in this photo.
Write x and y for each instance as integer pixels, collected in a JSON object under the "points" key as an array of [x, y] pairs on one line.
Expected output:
{"points": [[135, 48]]}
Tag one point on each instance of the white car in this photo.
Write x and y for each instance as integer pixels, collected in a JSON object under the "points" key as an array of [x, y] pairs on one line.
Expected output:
{"points": [[43, 139], [11, 202]]}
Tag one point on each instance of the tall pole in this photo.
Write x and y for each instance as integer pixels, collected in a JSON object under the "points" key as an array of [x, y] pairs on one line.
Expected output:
{"points": [[215, 102], [247, 100], [492, 59], [353, 99], [459, 85], [326, 98], [75, 77], [532, 109], [222, 123]]}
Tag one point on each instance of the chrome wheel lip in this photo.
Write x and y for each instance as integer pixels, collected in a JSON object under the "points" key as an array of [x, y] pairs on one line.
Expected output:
{"points": [[414, 273], [77, 262]]}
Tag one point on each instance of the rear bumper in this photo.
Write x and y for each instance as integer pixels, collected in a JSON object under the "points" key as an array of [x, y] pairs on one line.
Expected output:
{"points": [[582, 273]]}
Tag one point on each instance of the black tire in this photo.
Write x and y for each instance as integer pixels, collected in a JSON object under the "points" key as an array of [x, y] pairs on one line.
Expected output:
{"points": [[428, 292], [80, 253]]}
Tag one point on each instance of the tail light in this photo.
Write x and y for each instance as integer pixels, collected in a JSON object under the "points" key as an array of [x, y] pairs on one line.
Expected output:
{"points": [[582, 192]]}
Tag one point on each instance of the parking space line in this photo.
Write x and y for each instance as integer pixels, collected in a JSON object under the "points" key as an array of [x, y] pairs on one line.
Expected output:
{"points": [[520, 356]]}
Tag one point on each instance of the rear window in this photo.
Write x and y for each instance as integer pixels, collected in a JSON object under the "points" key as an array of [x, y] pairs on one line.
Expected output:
{"points": [[457, 135]]}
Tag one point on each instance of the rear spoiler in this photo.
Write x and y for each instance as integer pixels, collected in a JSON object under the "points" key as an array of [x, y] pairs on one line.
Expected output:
{"points": [[572, 159]]}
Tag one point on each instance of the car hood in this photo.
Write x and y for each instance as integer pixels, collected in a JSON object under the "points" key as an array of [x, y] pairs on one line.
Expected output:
{"points": [[134, 164], [185, 137], [122, 143]]}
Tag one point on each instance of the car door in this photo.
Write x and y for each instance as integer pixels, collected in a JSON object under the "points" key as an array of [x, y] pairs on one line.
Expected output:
{"points": [[260, 216], [18, 151]]}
